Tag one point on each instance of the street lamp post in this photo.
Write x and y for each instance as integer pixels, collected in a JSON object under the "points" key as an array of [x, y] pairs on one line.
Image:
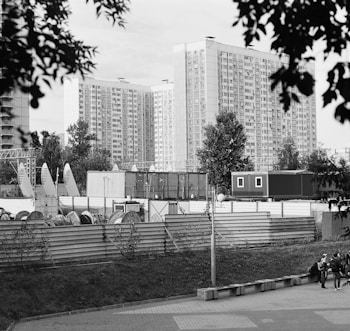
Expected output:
{"points": [[212, 244], [220, 198], [104, 195]]}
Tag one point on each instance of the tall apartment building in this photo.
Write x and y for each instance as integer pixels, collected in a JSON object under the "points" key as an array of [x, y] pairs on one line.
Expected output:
{"points": [[210, 78], [164, 125], [18, 104], [164, 129], [120, 115]]}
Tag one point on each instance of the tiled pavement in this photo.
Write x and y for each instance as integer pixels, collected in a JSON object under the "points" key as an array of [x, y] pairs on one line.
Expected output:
{"points": [[306, 307]]}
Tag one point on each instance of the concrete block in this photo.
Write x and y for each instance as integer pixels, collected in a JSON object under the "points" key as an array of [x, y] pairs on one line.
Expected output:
{"points": [[235, 290], [269, 285], [260, 286], [287, 281], [207, 293], [296, 281]]}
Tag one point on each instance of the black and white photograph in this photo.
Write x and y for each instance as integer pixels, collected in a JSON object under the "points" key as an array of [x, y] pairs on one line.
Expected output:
{"points": [[174, 165]]}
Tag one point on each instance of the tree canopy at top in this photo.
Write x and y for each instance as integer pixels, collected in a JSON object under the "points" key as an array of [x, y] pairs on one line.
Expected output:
{"points": [[223, 151], [37, 47], [288, 156], [296, 26]]}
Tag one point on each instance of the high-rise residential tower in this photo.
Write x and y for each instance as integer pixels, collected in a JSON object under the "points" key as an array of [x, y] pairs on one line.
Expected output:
{"points": [[16, 103], [210, 78], [118, 113], [164, 130]]}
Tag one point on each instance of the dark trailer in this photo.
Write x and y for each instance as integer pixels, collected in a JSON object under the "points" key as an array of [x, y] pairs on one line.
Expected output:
{"points": [[277, 185]]}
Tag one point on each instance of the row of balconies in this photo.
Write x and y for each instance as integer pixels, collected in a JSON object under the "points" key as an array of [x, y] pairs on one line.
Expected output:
{"points": [[6, 132], [6, 97], [6, 127]]}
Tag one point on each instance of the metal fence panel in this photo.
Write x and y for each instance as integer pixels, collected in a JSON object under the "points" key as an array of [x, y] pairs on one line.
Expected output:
{"points": [[176, 233]]}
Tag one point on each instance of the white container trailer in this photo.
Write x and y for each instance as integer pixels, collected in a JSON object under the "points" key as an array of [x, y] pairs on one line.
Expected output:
{"points": [[108, 184]]}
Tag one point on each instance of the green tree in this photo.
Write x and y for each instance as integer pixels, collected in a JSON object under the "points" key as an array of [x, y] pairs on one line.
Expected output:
{"points": [[35, 140], [328, 173], [82, 156], [323, 167], [51, 153], [99, 159], [79, 141], [296, 26], [37, 47], [288, 156], [342, 180], [223, 151], [8, 174]]}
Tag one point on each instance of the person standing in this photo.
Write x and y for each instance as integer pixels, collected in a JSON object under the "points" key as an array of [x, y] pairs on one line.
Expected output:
{"points": [[322, 267], [347, 258], [336, 269]]}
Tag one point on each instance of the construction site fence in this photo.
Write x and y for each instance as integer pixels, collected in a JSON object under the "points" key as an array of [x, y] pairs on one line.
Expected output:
{"points": [[67, 244]]}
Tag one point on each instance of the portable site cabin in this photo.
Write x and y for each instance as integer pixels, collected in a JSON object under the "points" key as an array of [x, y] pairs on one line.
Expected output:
{"points": [[278, 185], [147, 185]]}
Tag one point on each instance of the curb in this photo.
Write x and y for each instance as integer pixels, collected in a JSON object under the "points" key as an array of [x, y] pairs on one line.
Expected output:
{"points": [[11, 326], [262, 285], [101, 308]]}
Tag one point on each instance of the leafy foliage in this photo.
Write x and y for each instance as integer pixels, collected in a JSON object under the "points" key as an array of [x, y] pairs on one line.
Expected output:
{"points": [[99, 159], [51, 152], [223, 151], [288, 156], [22, 247], [35, 140], [79, 140], [82, 156], [37, 46], [329, 173], [8, 174], [126, 240], [296, 26]]}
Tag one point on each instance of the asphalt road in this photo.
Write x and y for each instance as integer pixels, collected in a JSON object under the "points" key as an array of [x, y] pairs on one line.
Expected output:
{"points": [[305, 307]]}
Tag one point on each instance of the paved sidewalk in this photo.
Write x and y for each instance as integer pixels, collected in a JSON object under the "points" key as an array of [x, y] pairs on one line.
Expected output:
{"points": [[305, 307]]}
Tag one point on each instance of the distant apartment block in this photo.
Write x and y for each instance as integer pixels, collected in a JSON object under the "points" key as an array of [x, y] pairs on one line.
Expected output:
{"points": [[211, 78], [164, 125], [119, 114], [164, 129]]}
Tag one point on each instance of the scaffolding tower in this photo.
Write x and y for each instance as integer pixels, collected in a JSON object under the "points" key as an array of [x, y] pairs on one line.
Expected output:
{"points": [[27, 156]]}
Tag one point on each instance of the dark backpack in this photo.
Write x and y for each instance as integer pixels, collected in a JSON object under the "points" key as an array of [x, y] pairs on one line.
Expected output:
{"points": [[334, 265]]}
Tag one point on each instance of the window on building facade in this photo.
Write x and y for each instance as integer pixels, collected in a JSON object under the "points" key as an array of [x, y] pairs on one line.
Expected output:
{"points": [[240, 182], [258, 181]]}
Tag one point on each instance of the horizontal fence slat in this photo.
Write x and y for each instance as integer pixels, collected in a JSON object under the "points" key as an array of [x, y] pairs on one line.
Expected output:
{"points": [[190, 231]]}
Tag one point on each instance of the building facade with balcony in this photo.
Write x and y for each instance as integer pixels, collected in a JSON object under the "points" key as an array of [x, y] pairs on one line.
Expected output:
{"points": [[119, 114], [14, 113], [164, 130], [164, 125], [211, 78]]}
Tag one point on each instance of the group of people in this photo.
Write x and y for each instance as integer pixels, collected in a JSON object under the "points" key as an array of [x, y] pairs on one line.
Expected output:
{"points": [[338, 264]]}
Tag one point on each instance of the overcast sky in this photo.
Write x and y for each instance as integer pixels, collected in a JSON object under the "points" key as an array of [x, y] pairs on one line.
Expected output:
{"points": [[142, 53]]}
